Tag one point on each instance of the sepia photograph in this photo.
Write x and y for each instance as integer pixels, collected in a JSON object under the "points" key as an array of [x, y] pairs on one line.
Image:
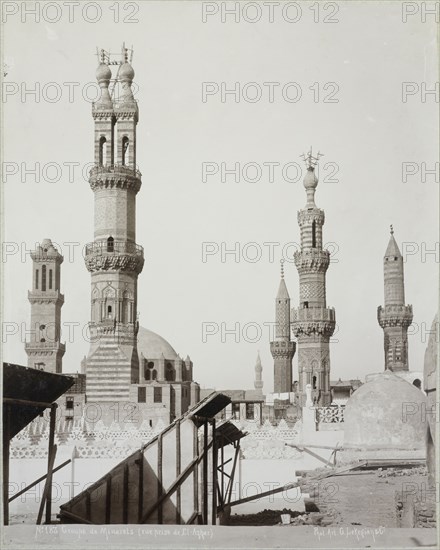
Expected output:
{"points": [[220, 274]]}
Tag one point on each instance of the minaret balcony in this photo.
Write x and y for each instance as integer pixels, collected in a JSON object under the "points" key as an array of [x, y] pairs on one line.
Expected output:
{"points": [[395, 315], [115, 176], [45, 297], [44, 347], [313, 314], [120, 256], [312, 259], [313, 320]]}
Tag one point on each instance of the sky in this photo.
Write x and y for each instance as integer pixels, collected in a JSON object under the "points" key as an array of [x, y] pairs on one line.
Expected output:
{"points": [[337, 75]]}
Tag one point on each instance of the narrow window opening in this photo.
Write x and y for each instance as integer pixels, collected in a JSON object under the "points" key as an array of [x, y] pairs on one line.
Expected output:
{"points": [[110, 244], [37, 273], [102, 151], [314, 382], [43, 278], [125, 151], [50, 279], [314, 235]]}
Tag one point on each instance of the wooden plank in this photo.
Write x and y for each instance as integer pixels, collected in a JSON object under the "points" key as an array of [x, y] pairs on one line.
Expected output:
{"points": [[205, 473], [26, 402], [292, 485], [125, 494], [141, 487], [53, 417], [196, 471], [46, 485], [39, 480], [108, 499], [214, 475], [159, 478], [178, 471], [6, 449], [231, 479]]}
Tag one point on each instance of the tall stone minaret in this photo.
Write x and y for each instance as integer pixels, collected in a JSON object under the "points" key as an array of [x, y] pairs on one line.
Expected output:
{"points": [[282, 348], [45, 350], [114, 259], [395, 317], [258, 382], [313, 323]]}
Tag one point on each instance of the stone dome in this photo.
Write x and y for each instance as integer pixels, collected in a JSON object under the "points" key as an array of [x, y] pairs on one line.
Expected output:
{"points": [[103, 72], [387, 412], [126, 71], [152, 346]]}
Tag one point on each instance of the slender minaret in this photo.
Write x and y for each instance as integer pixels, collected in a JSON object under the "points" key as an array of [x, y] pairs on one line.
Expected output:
{"points": [[282, 348], [45, 351], [114, 259], [313, 323], [395, 317], [258, 382]]}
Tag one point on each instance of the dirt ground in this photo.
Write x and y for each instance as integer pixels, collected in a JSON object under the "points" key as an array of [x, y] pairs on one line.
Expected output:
{"points": [[363, 498]]}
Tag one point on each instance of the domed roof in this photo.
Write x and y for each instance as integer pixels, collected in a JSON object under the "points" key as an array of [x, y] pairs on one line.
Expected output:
{"points": [[126, 71], [386, 412], [103, 72], [152, 346]]}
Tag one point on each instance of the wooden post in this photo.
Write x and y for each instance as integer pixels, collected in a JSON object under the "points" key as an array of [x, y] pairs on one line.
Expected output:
{"points": [[53, 417], [196, 471], [178, 470], [205, 472], [214, 475], [6, 443], [159, 477], [141, 487], [223, 469], [125, 495]]}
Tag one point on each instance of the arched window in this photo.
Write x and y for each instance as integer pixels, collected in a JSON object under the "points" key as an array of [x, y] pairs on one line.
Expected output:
{"points": [[36, 278], [110, 244], [154, 375], [314, 234], [102, 151], [314, 382], [50, 279], [125, 151], [109, 312], [43, 278], [148, 370]]}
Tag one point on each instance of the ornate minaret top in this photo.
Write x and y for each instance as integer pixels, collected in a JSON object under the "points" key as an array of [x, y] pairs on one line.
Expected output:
{"points": [[394, 286], [282, 309], [395, 317], [258, 383]]}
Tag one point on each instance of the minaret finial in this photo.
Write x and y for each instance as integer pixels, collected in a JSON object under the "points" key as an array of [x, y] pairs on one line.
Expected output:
{"points": [[310, 160], [282, 268], [391, 229]]}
